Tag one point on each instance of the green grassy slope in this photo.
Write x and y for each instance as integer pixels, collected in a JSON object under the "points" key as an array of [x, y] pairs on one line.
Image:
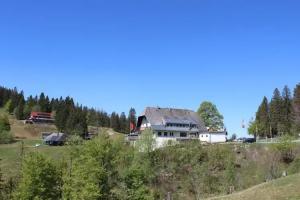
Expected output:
{"points": [[284, 188], [10, 154]]}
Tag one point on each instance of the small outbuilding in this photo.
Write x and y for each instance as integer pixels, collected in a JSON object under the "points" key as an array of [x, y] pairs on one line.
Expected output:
{"points": [[213, 136], [55, 139]]}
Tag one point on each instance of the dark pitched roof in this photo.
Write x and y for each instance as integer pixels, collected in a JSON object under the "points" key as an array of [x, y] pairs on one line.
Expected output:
{"points": [[55, 137], [160, 117]]}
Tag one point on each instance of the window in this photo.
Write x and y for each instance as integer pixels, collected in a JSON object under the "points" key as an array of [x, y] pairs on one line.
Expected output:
{"points": [[171, 134], [159, 134], [166, 134], [183, 134]]}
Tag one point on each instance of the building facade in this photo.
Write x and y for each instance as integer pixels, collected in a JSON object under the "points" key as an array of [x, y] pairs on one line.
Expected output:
{"points": [[170, 125]]}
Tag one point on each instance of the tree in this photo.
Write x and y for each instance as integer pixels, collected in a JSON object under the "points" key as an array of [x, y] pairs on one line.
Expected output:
{"points": [[263, 118], [44, 103], [19, 110], [276, 113], [210, 115], [40, 179], [132, 119], [287, 109], [115, 122], [5, 134], [124, 128], [296, 110], [61, 117], [91, 171], [146, 142], [253, 127]]}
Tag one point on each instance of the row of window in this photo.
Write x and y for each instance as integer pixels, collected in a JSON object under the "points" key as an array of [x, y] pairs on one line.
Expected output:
{"points": [[171, 134], [165, 134], [182, 125]]}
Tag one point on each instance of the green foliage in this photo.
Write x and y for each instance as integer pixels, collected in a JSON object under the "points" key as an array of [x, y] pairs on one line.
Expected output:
{"points": [[74, 140], [146, 142], [210, 115], [296, 110], [136, 180], [276, 107], [287, 118], [5, 134], [7, 106], [19, 110], [286, 149], [294, 167], [263, 118], [90, 171], [253, 128], [40, 179], [4, 123]]}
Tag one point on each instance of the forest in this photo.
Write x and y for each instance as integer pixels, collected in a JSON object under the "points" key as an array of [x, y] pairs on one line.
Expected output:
{"points": [[279, 116], [70, 117]]}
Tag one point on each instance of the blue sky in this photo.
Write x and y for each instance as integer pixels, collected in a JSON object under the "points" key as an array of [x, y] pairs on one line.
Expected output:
{"points": [[114, 55]]}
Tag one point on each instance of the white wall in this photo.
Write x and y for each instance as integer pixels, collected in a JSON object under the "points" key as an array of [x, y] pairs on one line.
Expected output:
{"points": [[213, 137]]}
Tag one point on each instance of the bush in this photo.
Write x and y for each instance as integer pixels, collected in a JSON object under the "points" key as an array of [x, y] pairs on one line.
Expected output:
{"points": [[40, 179], [6, 137], [286, 149], [294, 167], [4, 123]]}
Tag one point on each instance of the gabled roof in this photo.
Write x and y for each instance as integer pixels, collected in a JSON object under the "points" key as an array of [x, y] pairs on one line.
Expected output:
{"points": [[55, 137], [159, 117]]}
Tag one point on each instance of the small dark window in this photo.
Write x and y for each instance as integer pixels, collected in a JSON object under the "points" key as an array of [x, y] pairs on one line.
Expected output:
{"points": [[172, 134], [159, 133], [166, 134], [183, 134]]}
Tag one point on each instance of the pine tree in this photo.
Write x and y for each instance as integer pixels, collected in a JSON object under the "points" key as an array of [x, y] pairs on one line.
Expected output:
{"points": [[61, 116], [115, 122], [19, 111], [296, 110], [276, 112], [287, 109], [263, 118], [123, 124]]}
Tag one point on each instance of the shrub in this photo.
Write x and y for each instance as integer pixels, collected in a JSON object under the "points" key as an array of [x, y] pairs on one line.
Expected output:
{"points": [[286, 149], [6, 137], [40, 179], [294, 167]]}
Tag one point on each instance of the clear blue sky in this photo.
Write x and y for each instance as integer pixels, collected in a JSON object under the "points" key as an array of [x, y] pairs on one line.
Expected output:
{"points": [[120, 54]]}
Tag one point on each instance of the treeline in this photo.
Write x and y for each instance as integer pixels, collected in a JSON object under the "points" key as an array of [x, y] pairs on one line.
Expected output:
{"points": [[278, 117], [70, 117]]}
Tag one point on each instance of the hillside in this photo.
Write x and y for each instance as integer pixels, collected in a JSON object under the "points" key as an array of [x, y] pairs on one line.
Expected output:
{"points": [[284, 188]]}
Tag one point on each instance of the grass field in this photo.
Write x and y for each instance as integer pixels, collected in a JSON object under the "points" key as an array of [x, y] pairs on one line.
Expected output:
{"points": [[27, 136], [285, 188], [11, 154]]}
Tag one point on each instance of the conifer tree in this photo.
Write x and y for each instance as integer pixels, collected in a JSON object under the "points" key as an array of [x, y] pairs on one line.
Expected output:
{"points": [[263, 118], [286, 110], [276, 113], [124, 128], [19, 111], [296, 110]]}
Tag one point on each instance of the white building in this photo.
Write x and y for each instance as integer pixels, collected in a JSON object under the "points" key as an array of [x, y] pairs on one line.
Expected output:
{"points": [[170, 125], [213, 137]]}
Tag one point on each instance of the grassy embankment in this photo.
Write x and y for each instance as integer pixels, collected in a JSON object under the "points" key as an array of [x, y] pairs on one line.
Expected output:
{"points": [[284, 188], [27, 136]]}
